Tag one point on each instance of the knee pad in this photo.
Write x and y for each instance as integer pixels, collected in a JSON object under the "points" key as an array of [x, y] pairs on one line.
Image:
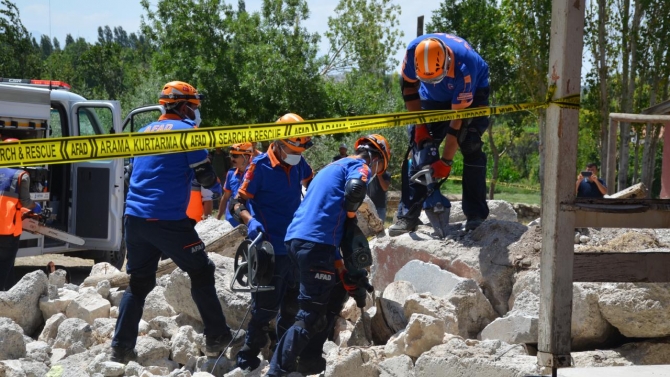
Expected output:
{"points": [[141, 285], [470, 140], [203, 277]]}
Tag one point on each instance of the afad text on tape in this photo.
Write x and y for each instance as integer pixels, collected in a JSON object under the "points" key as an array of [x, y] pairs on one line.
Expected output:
{"points": [[103, 147]]}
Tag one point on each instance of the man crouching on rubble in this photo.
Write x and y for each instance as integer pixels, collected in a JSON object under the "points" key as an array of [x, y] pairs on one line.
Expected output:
{"points": [[326, 220], [156, 223]]}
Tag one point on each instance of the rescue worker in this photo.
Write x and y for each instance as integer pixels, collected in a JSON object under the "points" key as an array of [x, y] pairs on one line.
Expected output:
{"points": [[269, 196], [324, 222], [156, 224], [240, 157], [14, 195], [442, 72]]}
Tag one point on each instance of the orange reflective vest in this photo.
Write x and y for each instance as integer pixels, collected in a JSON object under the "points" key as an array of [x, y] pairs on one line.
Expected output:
{"points": [[195, 209], [10, 205]]}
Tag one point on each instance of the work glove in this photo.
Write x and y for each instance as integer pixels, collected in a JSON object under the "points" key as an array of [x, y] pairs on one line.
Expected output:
{"points": [[38, 209], [253, 228], [421, 135], [357, 285], [440, 169]]}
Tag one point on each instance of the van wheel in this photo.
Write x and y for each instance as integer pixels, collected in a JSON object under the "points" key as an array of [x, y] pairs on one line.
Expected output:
{"points": [[115, 258]]}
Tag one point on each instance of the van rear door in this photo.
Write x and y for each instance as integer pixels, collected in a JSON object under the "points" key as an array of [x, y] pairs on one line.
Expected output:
{"points": [[97, 186]]}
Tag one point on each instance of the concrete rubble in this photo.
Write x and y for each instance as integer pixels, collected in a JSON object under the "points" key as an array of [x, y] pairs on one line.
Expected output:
{"points": [[459, 306]]}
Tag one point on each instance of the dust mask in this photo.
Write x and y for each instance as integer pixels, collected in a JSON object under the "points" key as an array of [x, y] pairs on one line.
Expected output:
{"points": [[292, 159], [197, 120]]}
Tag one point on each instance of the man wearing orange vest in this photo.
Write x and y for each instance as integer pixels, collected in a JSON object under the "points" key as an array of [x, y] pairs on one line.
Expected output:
{"points": [[14, 195]]}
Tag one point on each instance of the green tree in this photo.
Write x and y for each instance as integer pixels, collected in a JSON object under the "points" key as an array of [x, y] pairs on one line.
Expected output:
{"points": [[19, 53]]}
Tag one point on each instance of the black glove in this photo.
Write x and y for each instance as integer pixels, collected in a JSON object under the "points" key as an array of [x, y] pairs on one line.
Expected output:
{"points": [[357, 285], [354, 247]]}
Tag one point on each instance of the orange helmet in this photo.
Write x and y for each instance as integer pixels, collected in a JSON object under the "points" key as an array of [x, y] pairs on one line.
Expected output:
{"points": [[175, 92], [377, 143], [296, 144], [431, 60], [242, 148]]}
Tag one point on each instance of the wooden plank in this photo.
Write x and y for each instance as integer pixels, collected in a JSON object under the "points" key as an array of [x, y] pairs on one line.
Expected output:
{"points": [[637, 267], [640, 118], [638, 191], [565, 63], [620, 213]]}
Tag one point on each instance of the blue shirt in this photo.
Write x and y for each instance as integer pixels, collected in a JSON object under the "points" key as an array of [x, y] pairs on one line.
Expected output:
{"points": [[274, 191], [321, 215], [588, 189], [160, 186], [232, 185], [467, 72]]}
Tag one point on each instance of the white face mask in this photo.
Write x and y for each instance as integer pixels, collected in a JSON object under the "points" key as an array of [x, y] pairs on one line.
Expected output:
{"points": [[292, 159], [197, 119]]}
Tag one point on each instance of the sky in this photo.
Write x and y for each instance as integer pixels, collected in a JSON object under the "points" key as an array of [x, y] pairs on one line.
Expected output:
{"points": [[81, 18]]}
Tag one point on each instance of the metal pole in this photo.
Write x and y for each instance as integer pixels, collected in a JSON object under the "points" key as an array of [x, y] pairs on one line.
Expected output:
{"points": [[419, 26]]}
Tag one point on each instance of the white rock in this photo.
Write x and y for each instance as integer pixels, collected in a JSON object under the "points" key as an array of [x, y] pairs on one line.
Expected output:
{"points": [[498, 209], [155, 305], [438, 307], [422, 333], [149, 350], [22, 368], [428, 278], [88, 305], [115, 297], [103, 328], [655, 352], [392, 302], [75, 335], [114, 312], [103, 268], [20, 303], [50, 330], [459, 358], [156, 370], [103, 288], [473, 311], [350, 310], [584, 239], [184, 345], [202, 374], [348, 362], [57, 354], [143, 327], [38, 351], [589, 327], [50, 307], [12, 345], [482, 255], [58, 278], [397, 366], [133, 369], [514, 328], [638, 310], [167, 326], [234, 305]]}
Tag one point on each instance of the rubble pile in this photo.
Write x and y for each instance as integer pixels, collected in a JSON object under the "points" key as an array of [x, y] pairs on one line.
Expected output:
{"points": [[463, 305]]}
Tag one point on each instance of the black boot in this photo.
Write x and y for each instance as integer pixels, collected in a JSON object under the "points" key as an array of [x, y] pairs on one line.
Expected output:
{"points": [[123, 355], [220, 343], [403, 225]]}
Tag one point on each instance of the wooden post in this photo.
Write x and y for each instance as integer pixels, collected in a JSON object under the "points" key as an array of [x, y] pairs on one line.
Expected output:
{"points": [[665, 168], [611, 157], [565, 62], [419, 26]]}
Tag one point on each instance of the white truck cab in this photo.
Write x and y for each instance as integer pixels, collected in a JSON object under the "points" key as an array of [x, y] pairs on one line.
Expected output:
{"points": [[86, 198]]}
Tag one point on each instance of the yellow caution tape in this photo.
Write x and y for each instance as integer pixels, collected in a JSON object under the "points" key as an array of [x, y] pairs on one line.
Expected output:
{"points": [[103, 147]]}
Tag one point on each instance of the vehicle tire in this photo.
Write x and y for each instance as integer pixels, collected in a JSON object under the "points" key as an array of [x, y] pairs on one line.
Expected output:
{"points": [[115, 258]]}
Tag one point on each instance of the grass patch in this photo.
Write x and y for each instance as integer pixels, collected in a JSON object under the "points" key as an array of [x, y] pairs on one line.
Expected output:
{"points": [[508, 194]]}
